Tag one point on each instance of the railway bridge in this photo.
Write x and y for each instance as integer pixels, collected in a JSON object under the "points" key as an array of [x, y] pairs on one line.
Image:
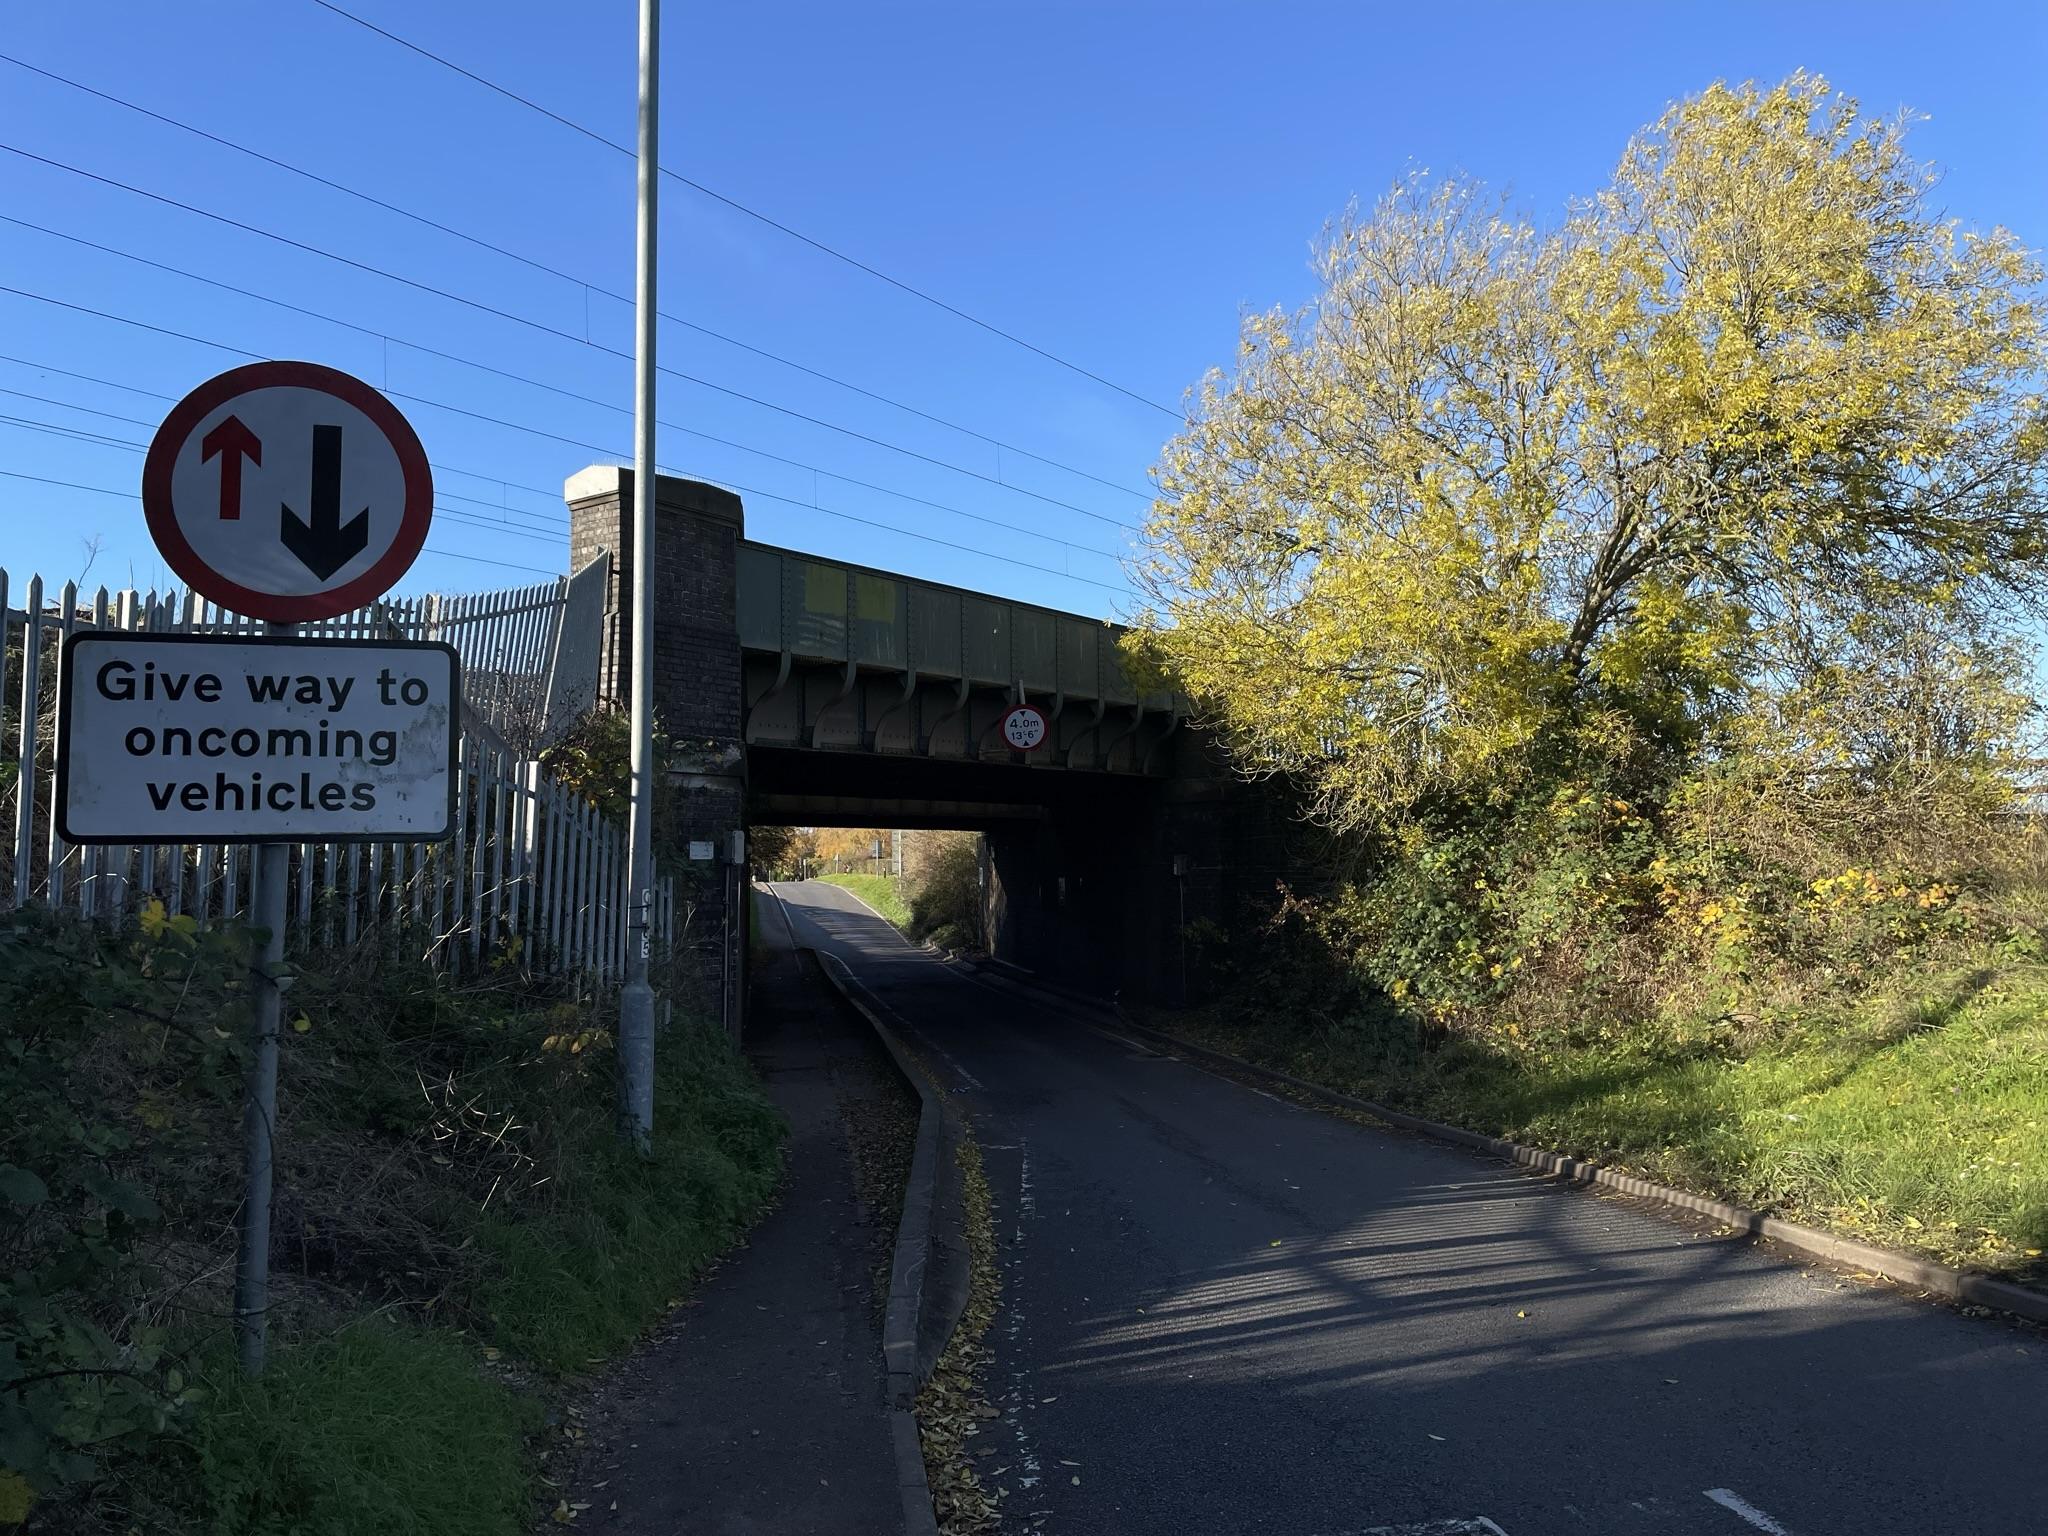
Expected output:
{"points": [[803, 691]]}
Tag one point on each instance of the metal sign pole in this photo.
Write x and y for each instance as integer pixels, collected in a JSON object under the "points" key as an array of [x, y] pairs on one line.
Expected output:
{"points": [[636, 998], [268, 880]]}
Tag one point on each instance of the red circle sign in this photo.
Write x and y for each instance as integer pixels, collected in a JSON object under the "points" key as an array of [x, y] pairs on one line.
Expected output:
{"points": [[1024, 728], [287, 491]]}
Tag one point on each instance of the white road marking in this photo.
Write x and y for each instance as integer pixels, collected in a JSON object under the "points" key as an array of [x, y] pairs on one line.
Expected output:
{"points": [[1471, 1525], [1027, 1207], [1736, 1504]]}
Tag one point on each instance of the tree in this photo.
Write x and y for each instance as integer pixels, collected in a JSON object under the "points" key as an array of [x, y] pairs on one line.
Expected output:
{"points": [[848, 849], [781, 853], [1663, 467]]}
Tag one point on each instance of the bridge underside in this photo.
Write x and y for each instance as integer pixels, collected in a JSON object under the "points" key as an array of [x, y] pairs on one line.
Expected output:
{"points": [[800, 788], [1077, 862], [839, 706]]}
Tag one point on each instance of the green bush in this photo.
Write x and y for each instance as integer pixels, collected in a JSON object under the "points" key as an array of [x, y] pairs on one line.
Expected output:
{"points": [[945, 900]]}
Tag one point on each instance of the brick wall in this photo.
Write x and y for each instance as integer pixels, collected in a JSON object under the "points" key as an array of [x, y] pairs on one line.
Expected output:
{"points": [[696, 655]]}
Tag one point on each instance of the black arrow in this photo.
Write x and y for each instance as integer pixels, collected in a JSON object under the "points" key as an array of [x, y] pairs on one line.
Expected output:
{"points": [[325, 545]]}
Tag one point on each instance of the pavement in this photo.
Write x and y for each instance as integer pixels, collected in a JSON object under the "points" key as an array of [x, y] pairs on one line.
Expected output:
{"points": [[1226, 1313], [759, 1410]]}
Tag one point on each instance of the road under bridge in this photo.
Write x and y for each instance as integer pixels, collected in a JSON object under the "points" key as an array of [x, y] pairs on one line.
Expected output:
{"points": [[804, 691]]}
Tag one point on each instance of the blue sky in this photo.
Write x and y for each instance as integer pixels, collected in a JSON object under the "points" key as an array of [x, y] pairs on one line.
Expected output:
{"points": [[1116, 182]]}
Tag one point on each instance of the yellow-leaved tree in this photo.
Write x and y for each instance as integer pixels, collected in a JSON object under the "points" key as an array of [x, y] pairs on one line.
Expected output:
{"points": [[1691, 455]]}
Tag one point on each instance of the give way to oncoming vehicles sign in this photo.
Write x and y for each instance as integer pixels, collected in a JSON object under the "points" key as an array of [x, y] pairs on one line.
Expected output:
{"points": [[191, 738]]}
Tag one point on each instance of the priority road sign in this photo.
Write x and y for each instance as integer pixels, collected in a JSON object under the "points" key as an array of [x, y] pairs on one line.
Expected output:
{"points": [[287, 491], [1024, 728], [242, 739]]}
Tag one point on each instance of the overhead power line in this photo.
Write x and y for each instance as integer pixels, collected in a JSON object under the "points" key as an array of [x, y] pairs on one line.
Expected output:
{"points": [[102, 490], [603, 450], [556, 389], [441, 513], [158, 394], [517, 319], [525, 529], [478, 241], [753, 213]]}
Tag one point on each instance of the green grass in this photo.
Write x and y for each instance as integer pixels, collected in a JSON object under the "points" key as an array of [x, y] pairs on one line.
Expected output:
{"points": [[1919, 1122], [381, 1428], [622, 1236], [881, 892]]}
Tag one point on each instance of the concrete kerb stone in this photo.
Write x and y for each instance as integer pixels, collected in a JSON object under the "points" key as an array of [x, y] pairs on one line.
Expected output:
{"points": [[904, 1324], [918, 1516], [1904, 1269], [900, 1318]]}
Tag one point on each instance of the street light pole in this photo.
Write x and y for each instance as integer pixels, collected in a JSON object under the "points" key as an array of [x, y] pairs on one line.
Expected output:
{"points": [[636, 1001]]}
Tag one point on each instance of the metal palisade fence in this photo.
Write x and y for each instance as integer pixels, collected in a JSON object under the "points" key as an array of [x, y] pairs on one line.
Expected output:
{"points": [[535, 875]]}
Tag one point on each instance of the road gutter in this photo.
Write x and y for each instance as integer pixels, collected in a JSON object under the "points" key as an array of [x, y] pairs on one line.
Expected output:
{"points": [[1923, 1274]]}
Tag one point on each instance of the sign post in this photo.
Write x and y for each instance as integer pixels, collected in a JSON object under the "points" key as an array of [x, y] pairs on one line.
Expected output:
{"points": [[267, 881], [289, 492]]}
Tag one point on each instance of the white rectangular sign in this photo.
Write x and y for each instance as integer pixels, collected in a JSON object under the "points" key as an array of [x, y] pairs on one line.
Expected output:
{"points": [[225, 739]]}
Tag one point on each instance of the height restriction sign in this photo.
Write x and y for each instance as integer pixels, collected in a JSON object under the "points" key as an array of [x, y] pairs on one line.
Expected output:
{"points": [[287, 491], [1024, 728]]}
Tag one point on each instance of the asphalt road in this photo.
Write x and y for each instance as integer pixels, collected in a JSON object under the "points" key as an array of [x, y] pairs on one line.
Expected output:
{"points": [[1225, 1313]]}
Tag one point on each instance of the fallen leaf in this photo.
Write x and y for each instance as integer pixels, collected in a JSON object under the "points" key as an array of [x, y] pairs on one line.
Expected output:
{"points": [[1436, 1437], [1521, 1314], [1077, 1482]]}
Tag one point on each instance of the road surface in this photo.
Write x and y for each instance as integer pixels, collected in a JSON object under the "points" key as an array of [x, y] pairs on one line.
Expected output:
{"points": [[1225, 1313]]}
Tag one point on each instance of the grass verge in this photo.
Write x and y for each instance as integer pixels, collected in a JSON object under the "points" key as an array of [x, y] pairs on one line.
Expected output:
{"points": [[881, 892], [1919, 1120], [383, 1428]]}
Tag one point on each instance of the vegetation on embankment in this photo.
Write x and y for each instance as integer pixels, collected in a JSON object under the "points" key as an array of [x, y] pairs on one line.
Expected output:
{"points": [[938, 897], [884, 893], [455, 1226], [1914, 1114], [1646, 609]]}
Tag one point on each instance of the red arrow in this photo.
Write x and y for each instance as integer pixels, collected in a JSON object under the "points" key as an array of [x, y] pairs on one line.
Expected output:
{"points": [[233, 442]]}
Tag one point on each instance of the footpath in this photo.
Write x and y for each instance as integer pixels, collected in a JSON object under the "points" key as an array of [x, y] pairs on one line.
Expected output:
{"points": [[760, 1405]]}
